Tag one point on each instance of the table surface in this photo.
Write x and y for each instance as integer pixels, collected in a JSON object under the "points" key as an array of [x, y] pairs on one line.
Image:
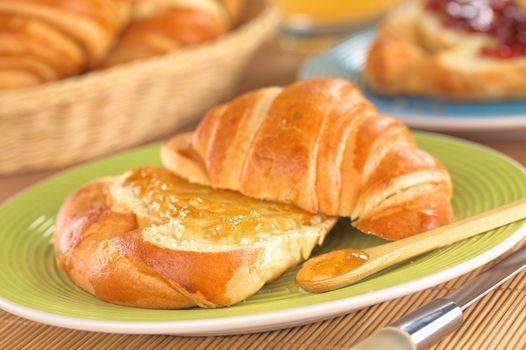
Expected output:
{"points": [[496, 322]]}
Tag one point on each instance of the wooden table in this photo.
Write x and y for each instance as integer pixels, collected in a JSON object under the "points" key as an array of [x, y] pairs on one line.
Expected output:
{"points": [[496, 322]]}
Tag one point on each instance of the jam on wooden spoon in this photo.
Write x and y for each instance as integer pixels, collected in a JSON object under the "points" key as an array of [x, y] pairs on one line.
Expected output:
{"points": [[340, 268]]}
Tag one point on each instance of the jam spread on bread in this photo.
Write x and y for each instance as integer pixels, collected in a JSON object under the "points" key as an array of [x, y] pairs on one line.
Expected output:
{"points": [[215, 215], [501, 19]]}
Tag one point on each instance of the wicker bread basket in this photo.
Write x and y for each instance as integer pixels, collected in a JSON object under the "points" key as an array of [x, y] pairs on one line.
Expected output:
{"points": [[67, 121]]}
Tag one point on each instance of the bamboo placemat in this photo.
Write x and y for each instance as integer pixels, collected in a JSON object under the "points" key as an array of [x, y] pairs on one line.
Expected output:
{"points": [[496, 322]]}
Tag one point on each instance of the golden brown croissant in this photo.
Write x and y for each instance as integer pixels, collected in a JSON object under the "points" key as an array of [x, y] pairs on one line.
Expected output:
{"points": [[437, 48], [160, 26], [318, 144], [150, 239], [43, 40]]}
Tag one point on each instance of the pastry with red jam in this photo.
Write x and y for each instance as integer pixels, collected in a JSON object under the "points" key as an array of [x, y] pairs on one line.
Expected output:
{"points": [[468, 50]]}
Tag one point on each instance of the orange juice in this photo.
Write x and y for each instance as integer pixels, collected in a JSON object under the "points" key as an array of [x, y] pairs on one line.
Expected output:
{"points": [[333, 11]]}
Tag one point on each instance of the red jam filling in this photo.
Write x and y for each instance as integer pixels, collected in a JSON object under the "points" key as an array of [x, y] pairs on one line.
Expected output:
{"points": [[502, 19]]}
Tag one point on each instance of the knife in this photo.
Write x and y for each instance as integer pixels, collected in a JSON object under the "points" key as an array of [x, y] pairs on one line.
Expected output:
{"points": [[434, 321]]}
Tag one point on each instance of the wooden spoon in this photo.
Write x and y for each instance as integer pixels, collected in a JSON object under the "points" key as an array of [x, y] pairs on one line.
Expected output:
{"points": [[340, 268]]}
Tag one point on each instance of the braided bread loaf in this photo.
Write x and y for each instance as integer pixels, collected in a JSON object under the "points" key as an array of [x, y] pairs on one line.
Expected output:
{"points": [[461, 50], [43, 40], [320, 145], [150, 239]]}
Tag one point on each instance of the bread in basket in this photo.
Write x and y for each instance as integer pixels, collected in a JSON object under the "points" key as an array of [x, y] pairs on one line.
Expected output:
{"points": [[69, 120]]}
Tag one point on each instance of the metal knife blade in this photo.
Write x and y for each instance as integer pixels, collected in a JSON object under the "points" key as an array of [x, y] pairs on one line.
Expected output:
{"points": [[487, 281], [434, 321]]}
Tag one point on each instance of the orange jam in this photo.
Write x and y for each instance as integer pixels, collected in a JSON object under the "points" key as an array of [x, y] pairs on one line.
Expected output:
{"points": [[209, 213], [339, 263]]}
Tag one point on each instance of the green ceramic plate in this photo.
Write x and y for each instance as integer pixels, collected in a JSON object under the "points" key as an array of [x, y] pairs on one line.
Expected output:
{"points": [[32, 286]]}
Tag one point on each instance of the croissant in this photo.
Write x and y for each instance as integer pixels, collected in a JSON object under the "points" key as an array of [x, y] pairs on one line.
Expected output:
{"points": [[320, 145], [426, 48], [149, 239], [44, 40], [160, 26]]}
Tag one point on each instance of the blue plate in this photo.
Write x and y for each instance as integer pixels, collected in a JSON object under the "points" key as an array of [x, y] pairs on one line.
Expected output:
{"points": [[346, 60]]}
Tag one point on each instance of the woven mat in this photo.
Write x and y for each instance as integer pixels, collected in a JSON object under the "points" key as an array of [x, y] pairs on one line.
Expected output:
{"points": [[496, 322]]}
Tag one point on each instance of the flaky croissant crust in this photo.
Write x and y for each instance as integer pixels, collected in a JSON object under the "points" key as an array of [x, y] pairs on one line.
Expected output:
{"points": [[160, 26], [318, 144], [46, 40]]}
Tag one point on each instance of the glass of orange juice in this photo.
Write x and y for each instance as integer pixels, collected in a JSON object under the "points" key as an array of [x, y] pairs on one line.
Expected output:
{"points": [[318, 18]]}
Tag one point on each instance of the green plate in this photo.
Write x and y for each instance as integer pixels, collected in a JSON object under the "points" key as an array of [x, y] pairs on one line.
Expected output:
{"points": [[32, 286]]}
